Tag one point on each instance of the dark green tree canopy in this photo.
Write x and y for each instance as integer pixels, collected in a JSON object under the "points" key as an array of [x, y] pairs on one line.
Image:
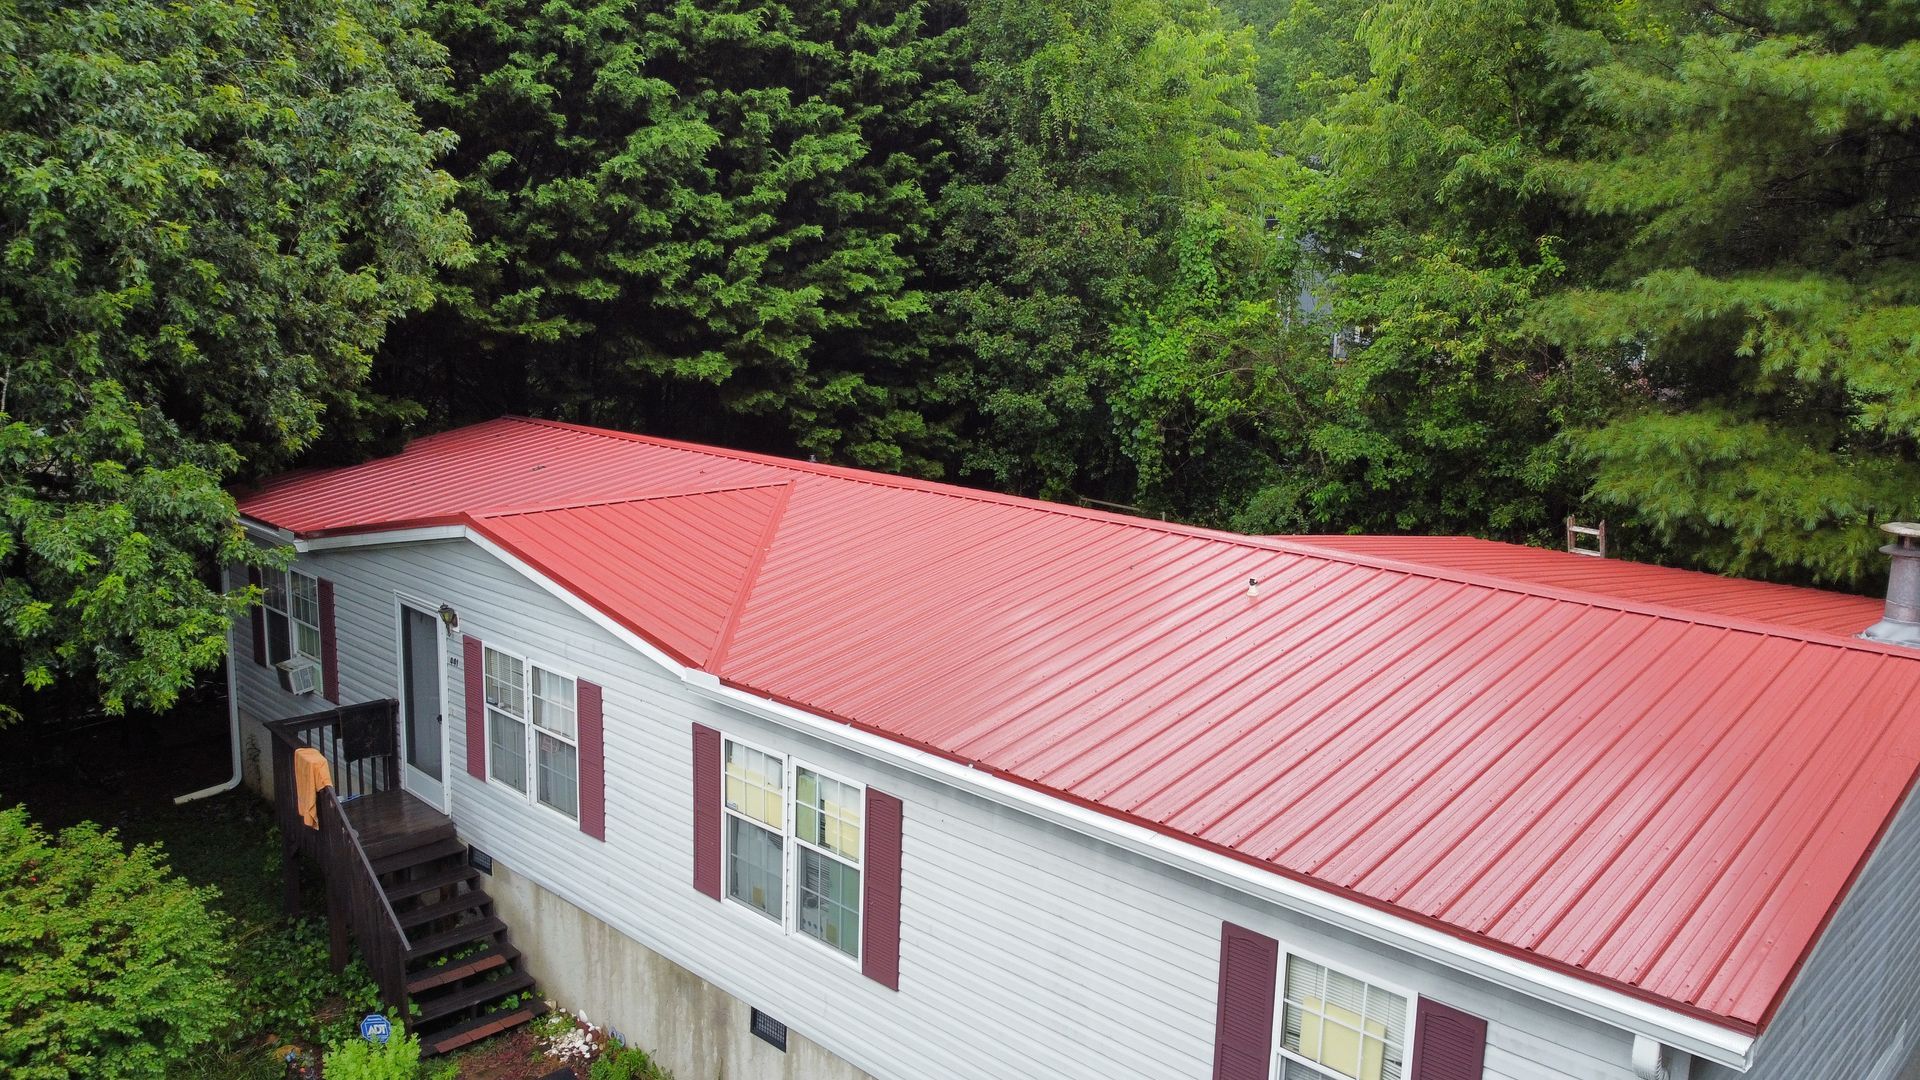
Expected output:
{"points": [[702, 219]]}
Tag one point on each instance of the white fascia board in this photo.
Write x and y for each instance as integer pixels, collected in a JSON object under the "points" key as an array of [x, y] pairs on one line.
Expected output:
{"points": [[381, 539], [1633, 1015], [262, 533]]}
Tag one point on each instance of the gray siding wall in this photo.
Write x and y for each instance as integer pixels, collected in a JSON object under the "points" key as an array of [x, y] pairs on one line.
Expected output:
{"points": [[1854, 1011], [1027, 950]]}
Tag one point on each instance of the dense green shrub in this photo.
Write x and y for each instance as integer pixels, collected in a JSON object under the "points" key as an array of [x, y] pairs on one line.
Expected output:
{"points": [[626, 1063], [109, 965], [396, 1059]]}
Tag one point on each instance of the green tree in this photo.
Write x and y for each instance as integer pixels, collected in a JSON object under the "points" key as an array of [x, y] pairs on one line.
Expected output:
{"points": [[209, 210], [1428, 238], [1110, 149], [1762, 169], [698, 219], [110, 966]]}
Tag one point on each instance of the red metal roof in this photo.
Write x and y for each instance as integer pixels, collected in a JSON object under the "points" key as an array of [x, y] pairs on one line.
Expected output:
{"points": [[1657, 780], [1810, 609]]}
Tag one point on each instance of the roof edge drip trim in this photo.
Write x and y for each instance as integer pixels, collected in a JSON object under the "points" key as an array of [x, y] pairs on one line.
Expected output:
{"points": [[1715, 1039]]}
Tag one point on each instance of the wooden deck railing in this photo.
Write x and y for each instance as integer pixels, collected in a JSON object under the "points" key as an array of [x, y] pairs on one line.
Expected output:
{"points": [[357, 741]]}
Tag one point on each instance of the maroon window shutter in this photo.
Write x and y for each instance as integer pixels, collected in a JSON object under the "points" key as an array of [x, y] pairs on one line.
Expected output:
{"points": [[1447, 1043], [706, 810], [1243, 1024], [880, 948], [476, 709], [329, 646], [593, 783], [258, 613]]}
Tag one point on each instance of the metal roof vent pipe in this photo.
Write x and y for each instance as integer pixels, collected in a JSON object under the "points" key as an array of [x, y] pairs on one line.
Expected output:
{"points": [[1901, 624]]}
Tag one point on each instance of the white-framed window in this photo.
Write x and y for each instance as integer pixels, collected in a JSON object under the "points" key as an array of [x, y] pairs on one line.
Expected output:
{"points": [[556, 742], [533, 734], [292, 605], [279, 622], [304, 591], [1332, 1024], [755, 810], [505, 683], [827, 819], [795, 842]]}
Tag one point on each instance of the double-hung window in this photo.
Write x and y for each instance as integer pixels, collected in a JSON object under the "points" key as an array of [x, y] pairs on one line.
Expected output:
{"points": [[1334, 1025], [789, 822], [292, 604], [305, 594], [532, 718], [556, 735], [826, 839], [756, 829]]}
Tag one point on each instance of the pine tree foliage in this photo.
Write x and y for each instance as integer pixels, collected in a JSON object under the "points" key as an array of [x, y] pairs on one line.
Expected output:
{"points": [[703, 219], [1762, 160]]}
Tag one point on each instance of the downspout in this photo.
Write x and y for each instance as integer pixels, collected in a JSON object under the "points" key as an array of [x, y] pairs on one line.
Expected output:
{"points": [[233, 718], [1654, 1060]]}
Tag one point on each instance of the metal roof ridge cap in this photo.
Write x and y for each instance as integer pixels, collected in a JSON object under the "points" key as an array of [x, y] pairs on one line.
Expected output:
{"points": [[1488, 580], [1262, 543], [1726, 1043], [852, 475], [723, 642], [552, 508]]}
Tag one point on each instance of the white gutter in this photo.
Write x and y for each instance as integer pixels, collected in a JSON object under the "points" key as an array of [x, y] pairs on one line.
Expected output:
{"points": [[1643, 1019], [233, 719]]}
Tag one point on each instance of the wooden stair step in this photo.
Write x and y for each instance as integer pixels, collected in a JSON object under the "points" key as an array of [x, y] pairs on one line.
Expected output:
{"points": [[435, 1006], [383, 847], [468, 900], [493, 1023], [432, 978], [453, 875], [454, 938], [416, 856]]}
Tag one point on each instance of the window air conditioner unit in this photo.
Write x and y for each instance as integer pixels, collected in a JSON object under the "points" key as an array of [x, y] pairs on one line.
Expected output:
{"points": [[297, 676]]}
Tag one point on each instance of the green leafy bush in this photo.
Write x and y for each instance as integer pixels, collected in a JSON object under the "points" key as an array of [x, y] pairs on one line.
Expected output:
{"points": [[110, 966], [356, 1059]]}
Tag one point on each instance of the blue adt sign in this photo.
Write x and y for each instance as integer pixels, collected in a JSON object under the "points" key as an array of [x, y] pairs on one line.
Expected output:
{"points": [[376, 1028]]}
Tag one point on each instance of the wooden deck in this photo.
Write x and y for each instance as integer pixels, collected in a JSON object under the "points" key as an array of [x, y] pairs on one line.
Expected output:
{"points": [[393, 821]]}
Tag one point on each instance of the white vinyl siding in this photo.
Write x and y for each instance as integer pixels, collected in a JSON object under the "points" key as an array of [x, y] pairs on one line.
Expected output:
{"points": [[1069, 958]]}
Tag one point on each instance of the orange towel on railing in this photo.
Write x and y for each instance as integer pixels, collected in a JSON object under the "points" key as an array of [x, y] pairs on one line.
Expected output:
{"points": [[310, 774]]}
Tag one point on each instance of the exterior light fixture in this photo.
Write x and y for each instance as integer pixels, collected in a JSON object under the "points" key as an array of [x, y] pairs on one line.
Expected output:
{"points": [[450, 617]]}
